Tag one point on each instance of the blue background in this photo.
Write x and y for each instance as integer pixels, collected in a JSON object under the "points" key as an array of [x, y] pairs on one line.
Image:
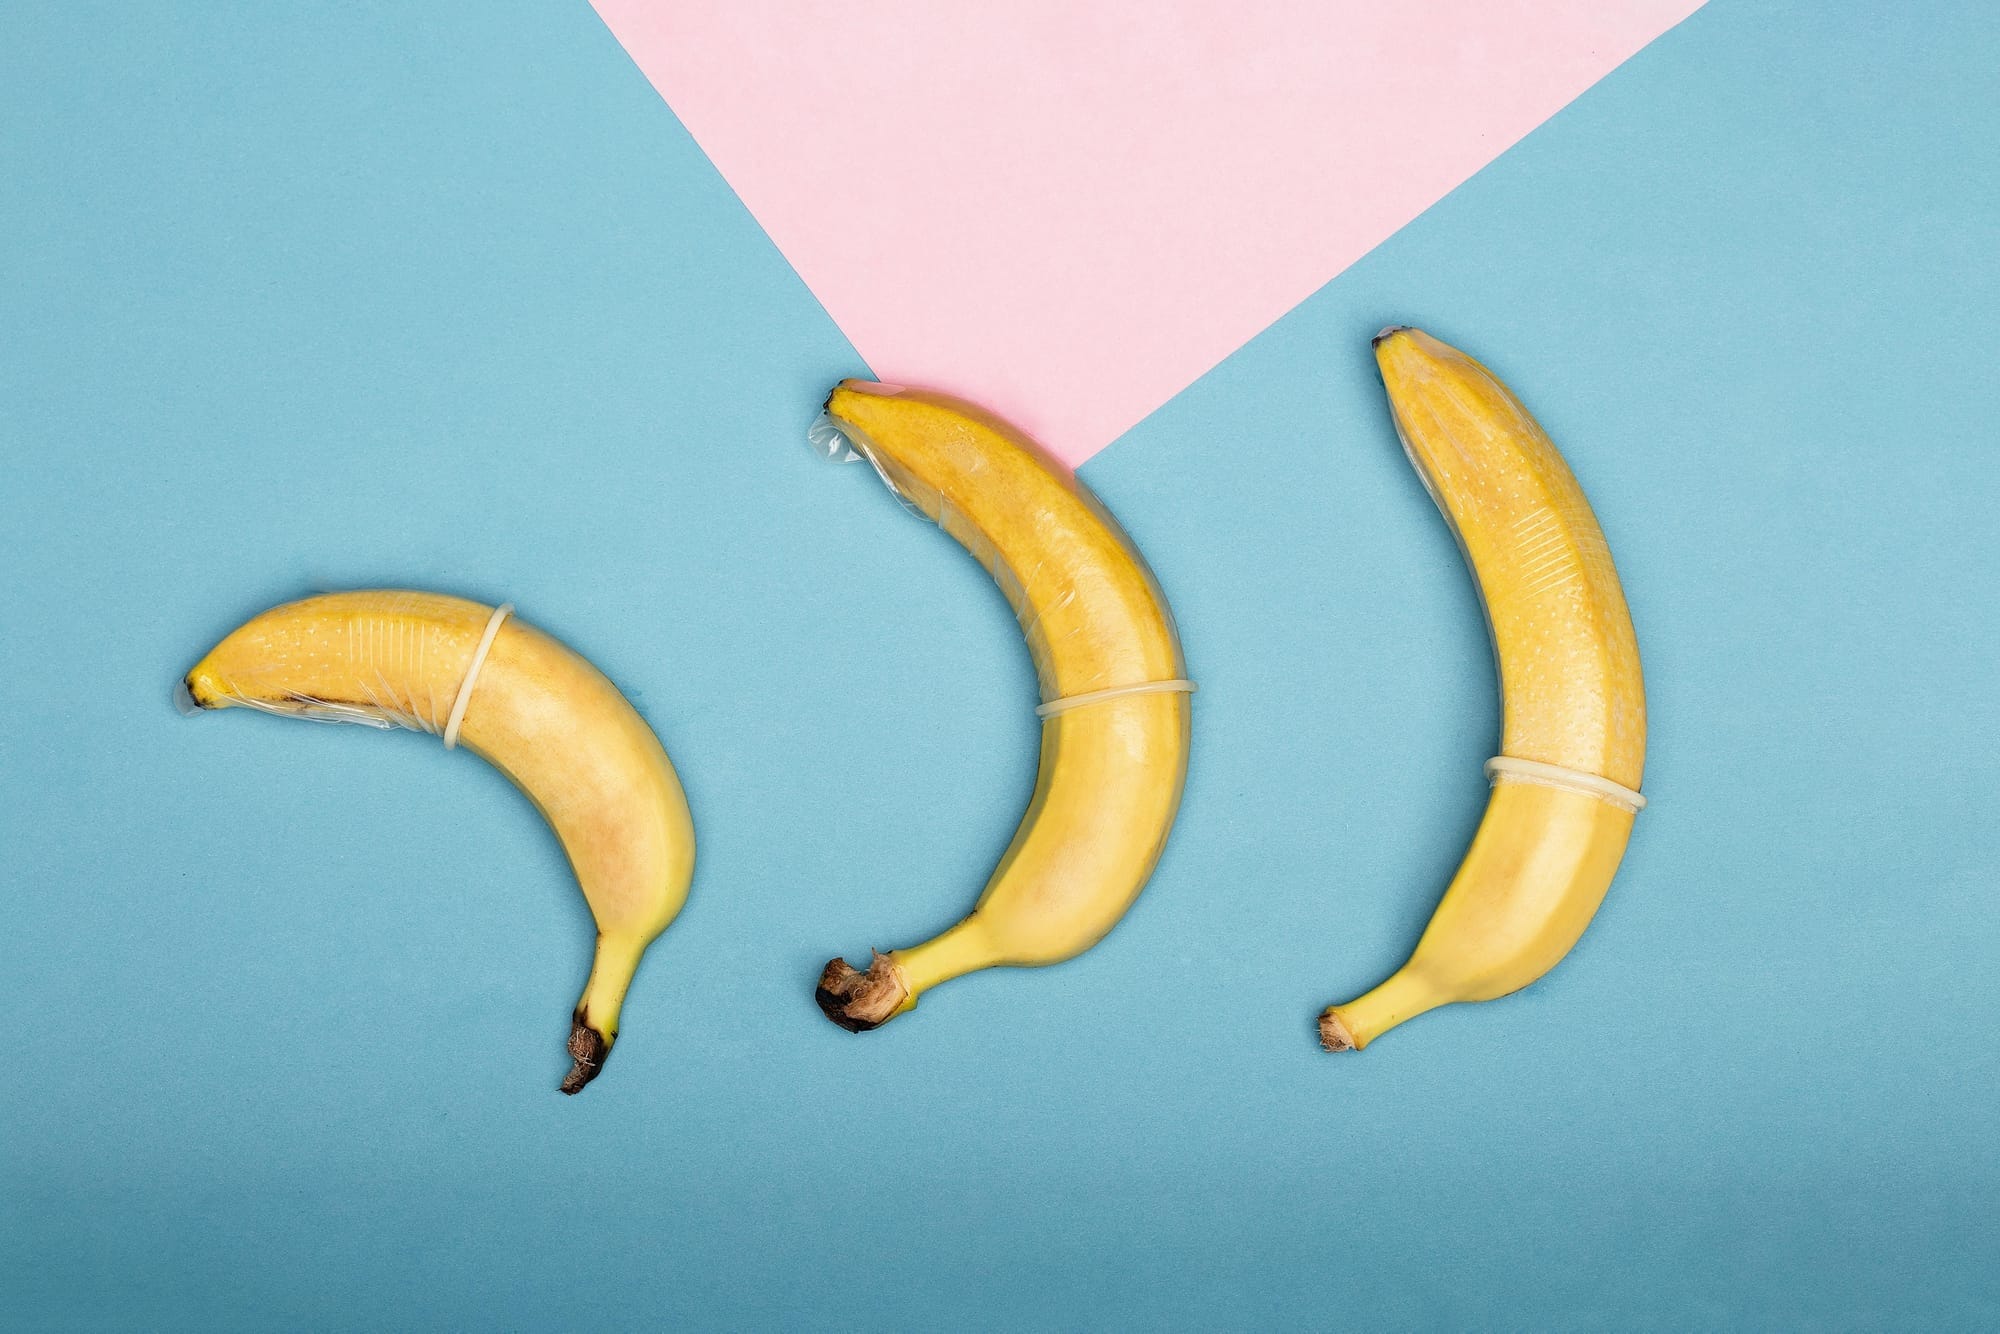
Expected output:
{"points": [[313, 297]]}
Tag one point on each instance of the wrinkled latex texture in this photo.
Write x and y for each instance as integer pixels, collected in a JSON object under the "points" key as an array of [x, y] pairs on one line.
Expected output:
{"points": [[842, 441]]}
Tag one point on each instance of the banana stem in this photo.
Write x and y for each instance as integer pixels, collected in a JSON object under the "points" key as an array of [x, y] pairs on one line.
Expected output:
{"points": [[594, 1026], [961, 950], [1398, 1000], [859, 1001]]}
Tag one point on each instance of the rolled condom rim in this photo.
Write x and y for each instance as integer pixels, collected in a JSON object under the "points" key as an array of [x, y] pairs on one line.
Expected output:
{"points": [[1572, 780], [1056, 707], [464, 697]]}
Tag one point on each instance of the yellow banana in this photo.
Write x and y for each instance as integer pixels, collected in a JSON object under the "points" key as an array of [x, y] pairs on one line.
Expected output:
{"points": [[533, 708], [1573, 740], [1115, 704]]}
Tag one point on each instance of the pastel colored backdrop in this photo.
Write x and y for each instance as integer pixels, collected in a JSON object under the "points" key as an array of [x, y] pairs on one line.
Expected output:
{"points": [[1069, 211], [362, 294]]}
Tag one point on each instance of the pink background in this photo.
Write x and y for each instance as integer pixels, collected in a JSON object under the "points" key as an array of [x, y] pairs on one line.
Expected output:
{"points": [[1068, 211]]}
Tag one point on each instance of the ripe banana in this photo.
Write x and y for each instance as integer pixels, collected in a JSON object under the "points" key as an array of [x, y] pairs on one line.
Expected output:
{"points": [[1573, 742], [527, 704], [1115, 704]]}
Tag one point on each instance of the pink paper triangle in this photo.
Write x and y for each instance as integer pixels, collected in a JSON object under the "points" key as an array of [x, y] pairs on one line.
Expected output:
{"points": [[1069, 211]]}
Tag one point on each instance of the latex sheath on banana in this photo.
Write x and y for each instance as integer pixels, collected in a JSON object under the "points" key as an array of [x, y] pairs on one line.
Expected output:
{"points": [[1115, 709], [1573, 736], [528, 705]]}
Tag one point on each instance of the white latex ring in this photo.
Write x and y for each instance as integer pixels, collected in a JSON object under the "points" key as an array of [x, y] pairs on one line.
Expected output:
{"points": [[1068, 702], [1573, 780], [500, 613]]}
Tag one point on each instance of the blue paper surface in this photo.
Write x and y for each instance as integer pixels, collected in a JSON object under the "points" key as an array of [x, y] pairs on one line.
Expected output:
{"points": [[362, 295]]}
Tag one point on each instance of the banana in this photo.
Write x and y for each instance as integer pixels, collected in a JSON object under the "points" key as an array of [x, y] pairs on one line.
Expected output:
{"points": [[527, 704], [1115, 705], [1573, 742]]}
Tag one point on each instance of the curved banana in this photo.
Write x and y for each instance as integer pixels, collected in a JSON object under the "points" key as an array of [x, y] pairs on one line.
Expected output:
{"points": [[1115, 710], [1573, 742], [533, 708]]}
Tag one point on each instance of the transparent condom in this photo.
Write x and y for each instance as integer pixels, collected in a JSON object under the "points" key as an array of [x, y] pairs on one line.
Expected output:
{"points": [[838, 444], [1507, 766], [384, 710]]}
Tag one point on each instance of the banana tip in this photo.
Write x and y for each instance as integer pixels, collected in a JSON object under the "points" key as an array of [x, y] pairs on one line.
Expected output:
{"points": [[184, 700], [1333, 1034], [859, 1001], [1388, 331], [586, 1049]]}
